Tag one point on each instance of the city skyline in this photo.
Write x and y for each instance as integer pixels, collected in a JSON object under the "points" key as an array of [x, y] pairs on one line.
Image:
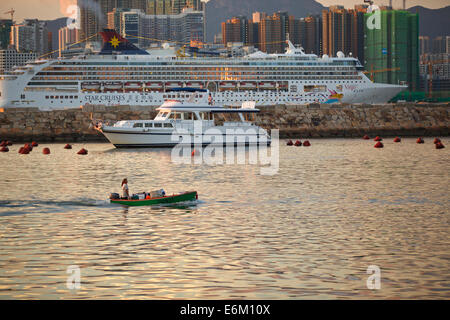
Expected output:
{"points": [[53, 9]]}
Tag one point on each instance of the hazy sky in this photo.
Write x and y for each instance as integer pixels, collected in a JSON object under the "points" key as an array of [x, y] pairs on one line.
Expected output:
{"points": [[51, 9]]}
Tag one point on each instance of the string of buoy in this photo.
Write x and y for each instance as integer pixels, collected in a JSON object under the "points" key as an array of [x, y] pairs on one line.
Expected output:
{"points": [[437, 142], [28, 147], [298, 143]]}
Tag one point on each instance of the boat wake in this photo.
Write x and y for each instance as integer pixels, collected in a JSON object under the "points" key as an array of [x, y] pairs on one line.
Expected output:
{"points": [[13, 207]]}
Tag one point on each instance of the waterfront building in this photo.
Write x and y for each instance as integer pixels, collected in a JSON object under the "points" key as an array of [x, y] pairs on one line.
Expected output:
{"points": [[392, 50], [5, 32], [31, 36], [10, 58]]}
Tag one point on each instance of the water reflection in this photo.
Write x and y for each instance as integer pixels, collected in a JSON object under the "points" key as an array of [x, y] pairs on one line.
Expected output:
{"points": [[310, 231]]}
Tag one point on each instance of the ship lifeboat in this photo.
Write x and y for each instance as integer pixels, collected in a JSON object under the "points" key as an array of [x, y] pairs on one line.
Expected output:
{"points": [[248, 85], [194, 84], [267, 85], [113, 86], [154, 86], [133, 86], [170, 85], [90, 86]]}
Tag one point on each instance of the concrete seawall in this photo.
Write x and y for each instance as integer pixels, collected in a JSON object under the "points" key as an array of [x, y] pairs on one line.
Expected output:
{"points": [[314, 120]]}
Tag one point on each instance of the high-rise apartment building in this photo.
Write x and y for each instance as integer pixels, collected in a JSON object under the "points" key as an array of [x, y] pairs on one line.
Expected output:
{"points": [[31, 36], [143, 29], [424, 45], [66, 37], [235, 30], [343, 30]]}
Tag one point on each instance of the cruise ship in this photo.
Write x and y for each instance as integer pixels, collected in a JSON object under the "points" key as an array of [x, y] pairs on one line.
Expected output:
{"points": [[122, 74]]}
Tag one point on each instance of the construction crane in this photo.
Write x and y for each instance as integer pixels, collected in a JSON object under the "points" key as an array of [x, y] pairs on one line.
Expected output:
{"points": [[379, 70], [11, 12]]}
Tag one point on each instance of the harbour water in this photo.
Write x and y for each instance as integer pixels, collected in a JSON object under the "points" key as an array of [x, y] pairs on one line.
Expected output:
{"points": [[310, 231]]}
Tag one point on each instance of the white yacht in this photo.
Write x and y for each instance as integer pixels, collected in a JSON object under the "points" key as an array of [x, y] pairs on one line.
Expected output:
{"points": [[190, 120]]}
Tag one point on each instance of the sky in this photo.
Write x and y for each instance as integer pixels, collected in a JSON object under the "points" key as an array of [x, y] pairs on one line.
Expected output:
{"points": [[52, 9]]}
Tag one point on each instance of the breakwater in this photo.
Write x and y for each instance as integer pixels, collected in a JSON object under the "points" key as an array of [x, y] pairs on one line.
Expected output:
{"points": [[313, 120]]}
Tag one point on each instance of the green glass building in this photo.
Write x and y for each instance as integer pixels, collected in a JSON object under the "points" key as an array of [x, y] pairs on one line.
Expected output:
{"points": [[391, 47]]}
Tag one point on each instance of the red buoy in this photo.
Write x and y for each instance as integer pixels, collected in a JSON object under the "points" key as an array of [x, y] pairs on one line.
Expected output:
{"points": [[24, 150], [28, 146], [298, 143], [366, 137], [397, 139], [378, 139], [82, 152], [67, 146], [3, 144], [9, 143], [34, 144], [46, 151], [420, 141], [440, 145], [378, 145], [437, 140], [4, 149], [306, 144], [290, 143]]}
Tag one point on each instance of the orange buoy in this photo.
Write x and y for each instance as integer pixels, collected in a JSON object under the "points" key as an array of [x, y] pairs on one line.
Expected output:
{"points": [[378, 139], [378, 145], [397, 139], [298, 143], [366, 137], [194, 153], [290, 143], [82, 152], [34, 144], [67, 146], [4, 149], [437, 140], [28, 146], [440, 145], [9, 143], [420, 141], [46, 151], [306, 144]]}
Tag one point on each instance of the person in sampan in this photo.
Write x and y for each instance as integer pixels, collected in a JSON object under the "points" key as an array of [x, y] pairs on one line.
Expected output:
{"points": [[125, 190]]}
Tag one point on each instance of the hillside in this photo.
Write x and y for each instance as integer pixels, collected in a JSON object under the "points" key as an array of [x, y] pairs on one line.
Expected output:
{"points": [[433, 22]]}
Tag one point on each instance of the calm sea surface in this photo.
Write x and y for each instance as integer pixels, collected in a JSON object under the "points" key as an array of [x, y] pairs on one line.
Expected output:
{"points": [[310, 231]]}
